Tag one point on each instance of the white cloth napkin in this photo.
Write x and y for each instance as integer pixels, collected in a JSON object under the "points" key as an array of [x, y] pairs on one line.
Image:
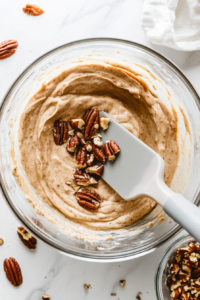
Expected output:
{"points": [[173, 23]]}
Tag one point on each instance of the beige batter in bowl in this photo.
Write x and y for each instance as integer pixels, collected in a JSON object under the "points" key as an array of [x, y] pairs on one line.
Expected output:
{"points": [[164, 81]]}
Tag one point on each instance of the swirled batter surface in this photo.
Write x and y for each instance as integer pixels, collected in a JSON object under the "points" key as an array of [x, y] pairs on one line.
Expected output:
{"points": [[128, 99]]}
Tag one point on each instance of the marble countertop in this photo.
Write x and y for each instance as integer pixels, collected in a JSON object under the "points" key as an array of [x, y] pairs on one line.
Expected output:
{"points": [[46, 271]]}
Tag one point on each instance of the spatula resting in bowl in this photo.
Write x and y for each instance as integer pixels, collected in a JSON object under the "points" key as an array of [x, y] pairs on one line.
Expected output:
{"points": [[139, 171]]}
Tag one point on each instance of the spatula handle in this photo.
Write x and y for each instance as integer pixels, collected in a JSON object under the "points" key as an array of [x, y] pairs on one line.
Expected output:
{"points": [[185, 213]]}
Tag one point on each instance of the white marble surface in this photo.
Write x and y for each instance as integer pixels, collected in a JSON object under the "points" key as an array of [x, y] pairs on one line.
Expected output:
{"points": [[46, 271]]}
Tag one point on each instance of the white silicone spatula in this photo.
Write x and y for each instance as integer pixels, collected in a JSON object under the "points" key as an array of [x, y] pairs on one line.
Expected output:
{"points": [[139, 171]]}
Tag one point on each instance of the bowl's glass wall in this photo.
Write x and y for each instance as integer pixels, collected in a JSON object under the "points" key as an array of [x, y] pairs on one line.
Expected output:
{"points": [[123, 246], [163, 270]]}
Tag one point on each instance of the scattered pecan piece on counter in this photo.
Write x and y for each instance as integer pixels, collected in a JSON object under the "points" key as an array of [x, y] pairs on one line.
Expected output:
{"points": [[113, 294], [72, 144], [88, 199], [77, 124], [33, 10], [81, 158], [138, 296], [45, 297], [122, 282], [8, 48], [83, 178], [99, 154], [60, 132], [91, 119], [97, 169], [86, 286], [13, 271], [27, 239], [1, 242], [90, 159], [103, 122]]}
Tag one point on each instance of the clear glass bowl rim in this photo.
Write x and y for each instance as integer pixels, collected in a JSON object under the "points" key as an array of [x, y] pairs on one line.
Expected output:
{"points": [[177, 228]]}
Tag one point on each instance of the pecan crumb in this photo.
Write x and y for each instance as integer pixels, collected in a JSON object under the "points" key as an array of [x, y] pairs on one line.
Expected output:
{"points": [[138, 296], [113, 294], [122, 282], [87, 286], [45, 297]]}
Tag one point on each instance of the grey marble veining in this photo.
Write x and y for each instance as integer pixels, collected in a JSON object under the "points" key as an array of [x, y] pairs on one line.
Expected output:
{"points": [[44, 270]]}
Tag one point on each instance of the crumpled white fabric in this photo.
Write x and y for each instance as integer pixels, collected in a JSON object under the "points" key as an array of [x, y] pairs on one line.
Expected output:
{"points": [[173, 23]]}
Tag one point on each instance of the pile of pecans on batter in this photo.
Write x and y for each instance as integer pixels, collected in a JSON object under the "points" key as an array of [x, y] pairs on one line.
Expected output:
{"points": [[84, 140], [184, 281]]}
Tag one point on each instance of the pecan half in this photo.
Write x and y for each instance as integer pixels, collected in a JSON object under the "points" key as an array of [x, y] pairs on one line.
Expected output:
{"points": [[73, 143], [81, 158], [8, 48], [45, 297], [60, 132], [90, 159], [103, 122], [88, 199], [77, 124], [98, 170], [83, 178], [109, 151], [27, 239], [33, 10], [13, 271], [91, 119], [99, 154]]}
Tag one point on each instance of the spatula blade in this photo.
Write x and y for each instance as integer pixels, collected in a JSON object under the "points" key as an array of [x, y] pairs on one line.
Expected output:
{"points": [[134, 165]]}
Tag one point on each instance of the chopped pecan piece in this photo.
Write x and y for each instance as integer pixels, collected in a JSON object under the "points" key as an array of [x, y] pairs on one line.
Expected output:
{"points": [[8, 48], [183, 252], [196, 273], [1, 242], [82, 141], [33, 10], [98, 170], [83, 178], [88, 147], [176, 293], [71, 132], [81, 158], [91, 119], [99, 154], [97, 141], [183, 277], [90, 159], [60, 132], [174, 269], [88, 199], [73, 143], [191, 247], [27, 239], [13, 271], [80, 135], [77, 124], [103, 122]]}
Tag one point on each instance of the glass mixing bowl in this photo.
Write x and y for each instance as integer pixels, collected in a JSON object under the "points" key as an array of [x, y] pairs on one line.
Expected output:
{"points": [[133, 241]]}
